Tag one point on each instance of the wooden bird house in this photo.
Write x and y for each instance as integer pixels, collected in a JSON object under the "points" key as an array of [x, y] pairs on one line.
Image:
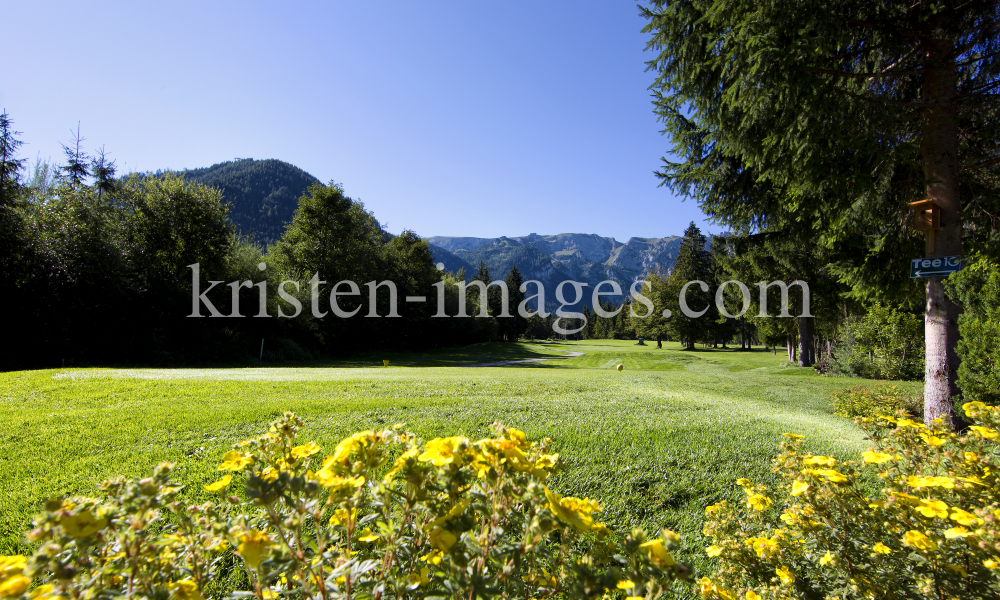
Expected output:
{"points": [[926, 215]]}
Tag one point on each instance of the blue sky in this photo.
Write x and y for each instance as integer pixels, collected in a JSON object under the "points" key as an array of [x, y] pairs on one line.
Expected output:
{"points": [[447, 118]]}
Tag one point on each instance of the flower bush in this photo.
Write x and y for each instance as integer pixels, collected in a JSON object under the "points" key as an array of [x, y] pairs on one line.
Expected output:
{"points": [[383, 516], [870, 402], [932, 532]]}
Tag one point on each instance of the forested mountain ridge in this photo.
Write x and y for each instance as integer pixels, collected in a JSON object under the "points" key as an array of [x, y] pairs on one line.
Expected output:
{"points": [[552, 259], [262, 194]]}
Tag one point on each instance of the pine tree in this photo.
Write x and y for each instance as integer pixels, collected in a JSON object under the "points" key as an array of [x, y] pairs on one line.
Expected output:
{"points": [[10, 167], [103, 171], [824, 119], [693, 264], [516, 325], [77, 167]]}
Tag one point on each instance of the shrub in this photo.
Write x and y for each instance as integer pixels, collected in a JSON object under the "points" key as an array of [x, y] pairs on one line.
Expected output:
{"points": [[977, 288], [870, 402], [384, 516], [885, 343], [932, 532]]}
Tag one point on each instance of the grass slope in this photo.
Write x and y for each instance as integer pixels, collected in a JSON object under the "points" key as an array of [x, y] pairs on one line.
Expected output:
{"points": [[654, 443]]}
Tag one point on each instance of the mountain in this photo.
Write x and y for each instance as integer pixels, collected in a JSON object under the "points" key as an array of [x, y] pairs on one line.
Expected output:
{"points": [[552, 259], [263, 194]]}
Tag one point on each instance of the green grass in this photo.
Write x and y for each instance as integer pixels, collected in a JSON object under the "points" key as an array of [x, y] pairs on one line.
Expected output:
{"points": [[654, 443]]}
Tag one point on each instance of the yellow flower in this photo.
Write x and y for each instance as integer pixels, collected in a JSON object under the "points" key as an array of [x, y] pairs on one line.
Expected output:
{"points": [[986, 432], [990, 564], [625, 584], [543, 464], [401, 462], [822, 461], [744, 482], [82, 524], [433, 557], [881, 548], [252, 547], [421, 579], [875, 458], [300, 452], [572, 511], [346, 447], [340, 516], [764, 547], [759, 502], [453, 512], [657, 553], [909, 423], [219, 485], [933, 440], [44, 592], [942, 482], [963, 517], [933, 508], [918, 540], [799, 487], [707, 588], [793, 436], [713, 550], [444, 451], [711, 509], [12, 565], [338, 483], [368, 535], [442, 539], [827, 559], [234, 460], [832, 475], [971, 457], [789, 518], [957, 532], [972, 408], [184, 590], [752, 595], [785, 575], [12, 582]]}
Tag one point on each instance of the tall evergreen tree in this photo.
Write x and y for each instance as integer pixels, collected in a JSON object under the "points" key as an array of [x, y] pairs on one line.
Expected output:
{"points": [[824, 120], [77, 167], [693, 264], [517, 324], [103, 171]]}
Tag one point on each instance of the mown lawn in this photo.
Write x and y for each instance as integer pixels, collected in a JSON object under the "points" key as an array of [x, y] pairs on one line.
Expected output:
{"points": [[654, 443]]}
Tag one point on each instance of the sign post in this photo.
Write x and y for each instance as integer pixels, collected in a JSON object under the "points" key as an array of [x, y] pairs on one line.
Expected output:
{"points": [[934, 266]]}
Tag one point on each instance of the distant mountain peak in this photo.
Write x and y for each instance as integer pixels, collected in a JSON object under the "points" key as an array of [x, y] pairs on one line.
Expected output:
{"points": [[584, 257]]}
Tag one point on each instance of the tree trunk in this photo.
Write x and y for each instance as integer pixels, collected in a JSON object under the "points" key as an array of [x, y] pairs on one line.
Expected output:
{"points": [[939, 146], [805, 341]]}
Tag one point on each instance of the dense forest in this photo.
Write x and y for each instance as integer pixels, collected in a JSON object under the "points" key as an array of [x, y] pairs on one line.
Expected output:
{"points": [[98, 267], [262, 194]]}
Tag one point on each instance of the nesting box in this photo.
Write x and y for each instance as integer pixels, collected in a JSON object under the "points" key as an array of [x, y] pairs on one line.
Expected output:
{"points": [[926, 215]]}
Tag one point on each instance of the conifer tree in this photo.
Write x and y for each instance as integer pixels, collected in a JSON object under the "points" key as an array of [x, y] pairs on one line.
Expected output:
{"points": [[77, 167], [516, 324], [824, 120], [693, 265]]}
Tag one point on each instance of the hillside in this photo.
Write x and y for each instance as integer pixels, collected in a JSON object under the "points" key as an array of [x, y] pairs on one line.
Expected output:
{"points": [[263, 194]]}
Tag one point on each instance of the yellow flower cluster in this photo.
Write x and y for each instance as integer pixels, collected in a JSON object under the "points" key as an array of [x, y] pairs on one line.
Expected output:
{"points": [[934, 531], [448, 514]]}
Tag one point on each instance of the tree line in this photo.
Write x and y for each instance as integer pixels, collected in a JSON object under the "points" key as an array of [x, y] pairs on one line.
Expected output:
{"points": [[96, 269]]}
